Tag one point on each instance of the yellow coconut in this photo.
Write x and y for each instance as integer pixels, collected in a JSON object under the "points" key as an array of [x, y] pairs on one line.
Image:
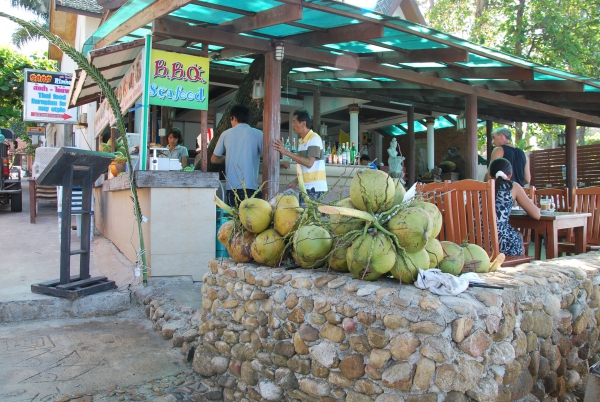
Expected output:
{"points": [[311, 245], [413, 228], [287, 214], [239, 248], [375, 186], [225, 232], [267, 248], [274, 201], [400, 192], [374, 252], [435, 251], [255, 214], [337, 260], [341, 224], [454, 258], [406, 269], [434, 214]]}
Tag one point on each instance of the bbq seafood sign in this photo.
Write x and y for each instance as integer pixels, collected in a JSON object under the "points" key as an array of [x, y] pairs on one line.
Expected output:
{"points": [[178, 80]]}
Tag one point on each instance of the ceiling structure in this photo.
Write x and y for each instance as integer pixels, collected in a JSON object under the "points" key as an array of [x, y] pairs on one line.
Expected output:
{"points": [[386, 64]]}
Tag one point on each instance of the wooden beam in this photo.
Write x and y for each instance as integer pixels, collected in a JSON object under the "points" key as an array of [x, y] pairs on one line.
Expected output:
{"points": [[571, 151], [146, 16], [116, 48], [471, 133], [353, 32], [271, 125], [412, 151], [540, 86], [267, 18], [559, 97], [116, 65], [489, 127], [457, 73], [222, 8], [440, 55]]}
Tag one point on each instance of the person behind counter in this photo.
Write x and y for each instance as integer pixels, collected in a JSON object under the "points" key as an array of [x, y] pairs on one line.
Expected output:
{"points": [[365, 160], [310, 155], [175, 149]]}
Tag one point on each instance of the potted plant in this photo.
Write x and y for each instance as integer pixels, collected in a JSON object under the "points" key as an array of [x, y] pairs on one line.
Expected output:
{"points": [[118, 165]]}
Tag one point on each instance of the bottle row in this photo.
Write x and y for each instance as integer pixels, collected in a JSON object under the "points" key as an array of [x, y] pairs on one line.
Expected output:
{"points": [[334, 152]]}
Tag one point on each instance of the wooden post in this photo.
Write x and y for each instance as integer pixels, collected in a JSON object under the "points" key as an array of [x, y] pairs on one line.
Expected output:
{"points": [[571, 150], [204, 125], [153, 121], [471, 132], [316, 120], [489, 127], [271, 125], [411, 164], [113, 131]]}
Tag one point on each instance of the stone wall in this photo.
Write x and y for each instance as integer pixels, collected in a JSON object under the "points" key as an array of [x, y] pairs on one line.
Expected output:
{"points": [[271, 334]]}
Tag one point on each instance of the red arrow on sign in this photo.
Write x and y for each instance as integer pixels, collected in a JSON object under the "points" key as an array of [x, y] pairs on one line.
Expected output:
{"points": [[66, 116]]}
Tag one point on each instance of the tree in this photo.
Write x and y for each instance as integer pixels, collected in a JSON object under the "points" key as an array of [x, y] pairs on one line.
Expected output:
{"points": [[12, 65], [41, 9]]}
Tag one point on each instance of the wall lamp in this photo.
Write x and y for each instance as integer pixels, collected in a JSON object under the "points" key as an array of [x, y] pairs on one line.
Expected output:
{"points": [[279, 50]]}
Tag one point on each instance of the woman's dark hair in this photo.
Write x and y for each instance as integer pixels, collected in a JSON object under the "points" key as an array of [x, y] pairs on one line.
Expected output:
{"points": [[302, 115], [241, 113], [176, 134], [501, 165]]}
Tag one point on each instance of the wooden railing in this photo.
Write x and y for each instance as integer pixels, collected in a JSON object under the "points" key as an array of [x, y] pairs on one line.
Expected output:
{"points": [[547, 167]]}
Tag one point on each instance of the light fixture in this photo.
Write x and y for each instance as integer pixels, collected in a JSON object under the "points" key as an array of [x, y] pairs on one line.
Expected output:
{"points": [[279, 51], [258, 89], [562, 139], [323, 129], [461, 121]]}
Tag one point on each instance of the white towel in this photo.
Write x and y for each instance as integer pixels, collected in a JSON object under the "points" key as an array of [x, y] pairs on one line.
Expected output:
{"points": [[440, 283], [472, 277]]}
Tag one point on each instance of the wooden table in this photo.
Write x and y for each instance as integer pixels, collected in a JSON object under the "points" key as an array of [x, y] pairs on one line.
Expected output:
{"points": [[549, 225]]}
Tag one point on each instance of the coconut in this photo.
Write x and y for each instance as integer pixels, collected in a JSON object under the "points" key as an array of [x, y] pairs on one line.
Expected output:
{"points": [[239, 248], [413, 228], [406, 269], [341, 224], [287, 214], [399, 193], [311, 245], [435, 251], [274, 201], [255, 214], [267, 248], [476, 259], [373, 251], [225, 232], [337, 260], [454, 258], [375, 186], [434, 214]]}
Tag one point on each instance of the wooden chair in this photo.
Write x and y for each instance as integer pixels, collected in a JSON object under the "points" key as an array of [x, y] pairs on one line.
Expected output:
{"points": [[560, 196], [473, 204], [437, 193], [526, 233], [585, 200]]}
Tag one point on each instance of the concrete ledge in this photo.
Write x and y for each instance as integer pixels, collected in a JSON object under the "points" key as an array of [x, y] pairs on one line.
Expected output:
{"points": [[100, 304]]}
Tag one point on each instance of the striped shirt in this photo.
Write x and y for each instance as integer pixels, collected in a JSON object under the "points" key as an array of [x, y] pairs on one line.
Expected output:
{"points": [[314, 177]]}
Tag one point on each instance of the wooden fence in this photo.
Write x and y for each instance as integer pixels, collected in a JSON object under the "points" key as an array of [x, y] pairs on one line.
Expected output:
{"points": [[547, 167]]}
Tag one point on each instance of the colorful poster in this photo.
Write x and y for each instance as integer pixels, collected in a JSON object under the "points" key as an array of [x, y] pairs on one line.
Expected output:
{"points": [[178, 80], [46, 96], [128, 91]]}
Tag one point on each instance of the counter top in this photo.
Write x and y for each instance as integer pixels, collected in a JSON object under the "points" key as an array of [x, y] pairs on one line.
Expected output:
{"points": [[164, 179]]}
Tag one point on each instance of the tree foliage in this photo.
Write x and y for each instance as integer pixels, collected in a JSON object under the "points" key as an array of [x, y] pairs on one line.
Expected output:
{"points": [[41, 9], [12, 65]]}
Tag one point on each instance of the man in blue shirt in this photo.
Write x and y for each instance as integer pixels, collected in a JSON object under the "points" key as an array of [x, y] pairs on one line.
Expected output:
{"points": [[365, 160]]}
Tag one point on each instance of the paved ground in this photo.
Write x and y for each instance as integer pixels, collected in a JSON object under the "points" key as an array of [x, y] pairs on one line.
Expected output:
{"points": [[49, 353]]}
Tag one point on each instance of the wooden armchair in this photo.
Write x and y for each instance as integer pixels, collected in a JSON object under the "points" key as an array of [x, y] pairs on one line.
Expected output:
{"points": [[585, 200], [437, 193], [560, 196], [526, 233]]}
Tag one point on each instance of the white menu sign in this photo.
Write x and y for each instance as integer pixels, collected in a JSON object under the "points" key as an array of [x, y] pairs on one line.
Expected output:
{"points": [[46, 97]]}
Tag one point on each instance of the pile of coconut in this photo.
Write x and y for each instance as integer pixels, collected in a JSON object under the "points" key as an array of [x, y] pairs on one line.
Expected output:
{"points": [[372, 233]]}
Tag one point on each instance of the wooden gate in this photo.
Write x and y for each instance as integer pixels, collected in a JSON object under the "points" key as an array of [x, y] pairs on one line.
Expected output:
{"points": [[548, 167]]}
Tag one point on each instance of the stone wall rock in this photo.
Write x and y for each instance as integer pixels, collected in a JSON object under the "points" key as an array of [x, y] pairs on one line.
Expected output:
{"points": [[315, 335]]}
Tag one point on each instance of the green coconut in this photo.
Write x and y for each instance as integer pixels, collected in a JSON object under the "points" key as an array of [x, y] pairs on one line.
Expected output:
{"points": [[447, 166], [413, 228], [337, 260], [255, 214], [373, 185], [225, 232], [407, 268], [476, 259], [239, 247], [434, 214], [454, 258], [311, 245], [287, 214], [435, 251], [267, 248], [399, 193], [341, 224], [374, 252]]}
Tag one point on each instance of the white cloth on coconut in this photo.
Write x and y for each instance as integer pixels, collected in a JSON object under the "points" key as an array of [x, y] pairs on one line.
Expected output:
{"points": [[440, 283], [472, 277]]}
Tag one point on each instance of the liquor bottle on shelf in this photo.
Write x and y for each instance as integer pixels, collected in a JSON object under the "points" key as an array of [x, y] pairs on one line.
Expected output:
{"points": [[288, 147], [333, 154], [294, 149], [353, 154], [344, 155]]}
